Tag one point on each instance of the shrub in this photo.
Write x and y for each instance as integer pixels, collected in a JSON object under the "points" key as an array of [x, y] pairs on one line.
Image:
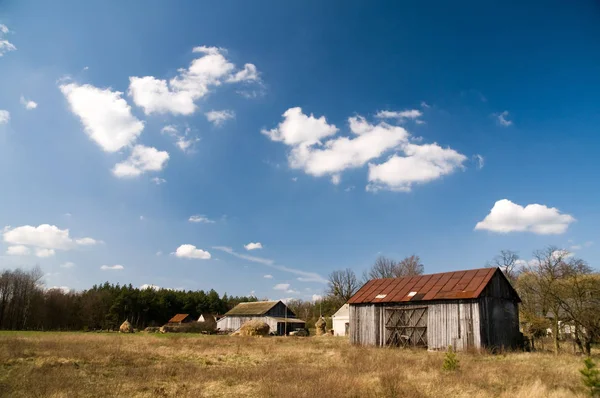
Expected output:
{"points": [[254, 328], [450, 360], [590, 376]]}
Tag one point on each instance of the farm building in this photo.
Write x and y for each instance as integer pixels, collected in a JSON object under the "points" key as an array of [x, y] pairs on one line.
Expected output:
{"points": [[274, 313], [341, 321], [180, 319], [466, 309]]}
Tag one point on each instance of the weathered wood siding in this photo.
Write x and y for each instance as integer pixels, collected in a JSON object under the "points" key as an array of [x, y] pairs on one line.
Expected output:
{"points": [[278, 311], [499, 313], [455, 323], [365, 324], [233, 323]]}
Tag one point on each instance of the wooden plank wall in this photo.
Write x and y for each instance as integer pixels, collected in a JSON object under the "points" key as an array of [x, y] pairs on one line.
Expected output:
{"points": [[278, 311], [453, 323], [499, 323], [233, 323], [364, 325]]}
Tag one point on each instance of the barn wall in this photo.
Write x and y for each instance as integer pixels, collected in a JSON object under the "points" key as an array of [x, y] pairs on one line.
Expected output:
{"points": [[278, 311], [455, 323], [233, 323], [499, 323], [364, 324]]}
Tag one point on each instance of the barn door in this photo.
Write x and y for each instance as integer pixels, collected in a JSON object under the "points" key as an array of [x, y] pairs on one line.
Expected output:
{"points": [[406, 327]]}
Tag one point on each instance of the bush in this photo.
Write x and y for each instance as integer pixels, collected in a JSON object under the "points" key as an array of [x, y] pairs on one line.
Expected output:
{"points": [[590, 376], [254, 328], [450, 360]]}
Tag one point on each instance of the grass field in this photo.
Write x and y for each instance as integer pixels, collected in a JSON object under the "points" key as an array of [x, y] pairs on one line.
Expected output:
{"points": [[141, 365]]}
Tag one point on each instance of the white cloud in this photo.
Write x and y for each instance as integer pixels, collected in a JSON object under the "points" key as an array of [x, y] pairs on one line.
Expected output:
{"points": [[28, 104], [181, 141], [218, 118], [248, 74], [502, 119], [177, 96], [159, 253], [316, 152], [142, 159], [425, 105], [317, 297], [281, 286], [261, 260], [5, 45], [400, 115], [4, 116], [44, 236], [268, 276], [507, 216], [158, 180], [68, 264], [44, 252], [253, 246], [306, 276], [146, 286], [422, 163], [298, 128], [106, 117], [112, 267], [200, 219], [190, 251], [339, 154], [87, 241], [480, 161], [63, 289], [18, 250]]}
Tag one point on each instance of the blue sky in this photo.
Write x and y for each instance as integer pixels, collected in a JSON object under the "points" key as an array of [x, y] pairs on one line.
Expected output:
{"points": [[338, 132]]}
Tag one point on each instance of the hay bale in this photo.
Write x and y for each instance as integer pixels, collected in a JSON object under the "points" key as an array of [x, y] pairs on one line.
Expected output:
{"points": [[126, 327], [254, 328], [321, 326], [152, 329]]}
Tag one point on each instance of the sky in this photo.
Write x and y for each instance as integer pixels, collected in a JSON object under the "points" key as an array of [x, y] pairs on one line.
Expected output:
{"points": [[255, 147]]}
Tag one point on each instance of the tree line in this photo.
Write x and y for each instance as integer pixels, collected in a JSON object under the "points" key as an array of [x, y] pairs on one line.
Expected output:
{"points": [[26, 305]]}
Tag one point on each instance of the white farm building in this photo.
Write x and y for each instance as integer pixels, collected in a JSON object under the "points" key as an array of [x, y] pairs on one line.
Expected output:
{"points": [[341, 321]]}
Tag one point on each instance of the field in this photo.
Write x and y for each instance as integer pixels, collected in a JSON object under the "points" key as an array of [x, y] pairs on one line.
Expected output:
{"points": [[141, 365]]}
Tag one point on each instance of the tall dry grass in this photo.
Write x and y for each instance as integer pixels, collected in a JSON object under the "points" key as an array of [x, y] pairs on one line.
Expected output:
{"points": [[140, 365]]}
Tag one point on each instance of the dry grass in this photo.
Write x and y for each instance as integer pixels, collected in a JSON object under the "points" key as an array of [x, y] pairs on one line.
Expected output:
{"points": [[150, 365]]}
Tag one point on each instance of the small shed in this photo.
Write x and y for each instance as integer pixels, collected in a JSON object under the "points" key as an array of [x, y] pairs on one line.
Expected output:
{"points": [[180, 319], [466, 309], [341, 321], [276, 314]]}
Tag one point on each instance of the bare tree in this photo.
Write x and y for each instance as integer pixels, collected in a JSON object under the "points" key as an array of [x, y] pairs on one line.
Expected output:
{"points": [[385, 267], [342, 284], [549, 273], [410, 266], [508, 262]]}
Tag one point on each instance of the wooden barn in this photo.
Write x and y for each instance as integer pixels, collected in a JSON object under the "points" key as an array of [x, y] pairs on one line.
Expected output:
{"points": [[274, 313], [180, 319], [466, 309]]}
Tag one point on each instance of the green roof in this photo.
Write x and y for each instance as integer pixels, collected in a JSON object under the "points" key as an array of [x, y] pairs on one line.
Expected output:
{"points": [[255, 308]]}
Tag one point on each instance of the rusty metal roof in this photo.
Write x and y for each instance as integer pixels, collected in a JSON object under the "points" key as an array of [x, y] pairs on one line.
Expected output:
{"points": [[444, 286], [253, 308], [178, 318]]}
